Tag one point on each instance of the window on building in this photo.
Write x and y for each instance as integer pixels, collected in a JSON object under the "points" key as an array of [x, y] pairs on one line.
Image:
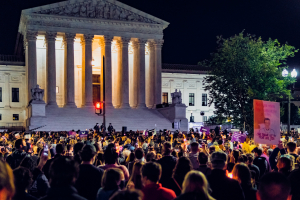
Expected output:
{"points": [[0, 116], [191, 99], [165, 97], [15, 117], [204, 118], [204, 99], [0, 94], [15, 95], [57, 89]]}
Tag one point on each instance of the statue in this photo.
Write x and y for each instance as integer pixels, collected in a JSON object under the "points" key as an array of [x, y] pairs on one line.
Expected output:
{"points": [[37, 94], [176, 97]]}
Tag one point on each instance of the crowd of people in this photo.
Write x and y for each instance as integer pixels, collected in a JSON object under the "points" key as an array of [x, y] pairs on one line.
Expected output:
{"points": [[146, 165]]}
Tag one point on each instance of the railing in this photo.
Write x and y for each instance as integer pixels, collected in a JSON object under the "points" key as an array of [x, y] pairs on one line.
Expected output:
{"points": [[11, 58]]}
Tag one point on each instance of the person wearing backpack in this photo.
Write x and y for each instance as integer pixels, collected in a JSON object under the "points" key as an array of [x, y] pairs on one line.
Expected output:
{"points": [[260, 161]]}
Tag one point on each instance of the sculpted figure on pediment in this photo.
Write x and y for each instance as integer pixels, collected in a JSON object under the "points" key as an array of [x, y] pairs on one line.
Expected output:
{"points": [[100, 9], [123, 14], [68, 9], [83, 10], [106, 12], [91, 10], [75, 10]]}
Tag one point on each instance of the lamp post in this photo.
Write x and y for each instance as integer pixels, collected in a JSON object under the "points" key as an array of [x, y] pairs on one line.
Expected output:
{"points": [[293, 75]]}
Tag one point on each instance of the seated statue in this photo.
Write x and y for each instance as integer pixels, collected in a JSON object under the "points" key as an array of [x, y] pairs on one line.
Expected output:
{"points": [[176, 97], [37, 94]]}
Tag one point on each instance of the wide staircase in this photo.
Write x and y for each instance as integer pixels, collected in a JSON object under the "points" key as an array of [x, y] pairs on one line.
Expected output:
{"points": [[65, 119]]}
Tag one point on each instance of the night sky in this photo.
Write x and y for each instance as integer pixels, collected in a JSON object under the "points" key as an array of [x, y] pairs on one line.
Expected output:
{"points": [[194, 24]]}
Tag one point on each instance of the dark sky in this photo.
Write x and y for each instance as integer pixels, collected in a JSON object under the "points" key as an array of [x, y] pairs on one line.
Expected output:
{"points": [[194, 24]]}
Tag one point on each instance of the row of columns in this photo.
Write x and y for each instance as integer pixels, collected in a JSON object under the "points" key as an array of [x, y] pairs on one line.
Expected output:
{"points": [[139, 72]]}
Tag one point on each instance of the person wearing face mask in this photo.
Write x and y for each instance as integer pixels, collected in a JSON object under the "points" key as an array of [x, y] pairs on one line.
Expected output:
{"points": [[18, 155]]}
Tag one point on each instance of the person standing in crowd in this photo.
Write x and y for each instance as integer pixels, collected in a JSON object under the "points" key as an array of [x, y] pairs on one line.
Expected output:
{"points": [[253, 167], [260, 161], [139, 157], [60, 149], [193, 155], [274, 186], [110, 128], [223, 188], [63, 174], [167, 163], [111, 161], [135, 180], [242, 174], [96, 127], [195, 187], [285, 164], [110, 183], [203, 161], [183, 166], [89, 179], [22, 180], [7, 187], [18, 155], [40, 183], [151, 173]]}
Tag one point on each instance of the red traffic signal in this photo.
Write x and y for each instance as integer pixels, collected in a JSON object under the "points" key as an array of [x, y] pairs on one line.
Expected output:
{"points": [[98, 105], [98, 108]]}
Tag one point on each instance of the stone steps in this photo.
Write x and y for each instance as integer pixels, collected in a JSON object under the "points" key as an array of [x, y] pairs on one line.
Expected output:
{"points": [[65, 119]]}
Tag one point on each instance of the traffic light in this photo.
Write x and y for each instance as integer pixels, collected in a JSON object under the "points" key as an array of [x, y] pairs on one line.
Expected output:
{"points": [[98, 108]]}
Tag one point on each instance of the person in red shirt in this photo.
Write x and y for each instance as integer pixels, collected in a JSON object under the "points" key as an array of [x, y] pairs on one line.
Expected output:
{"points": [[151, 173]]}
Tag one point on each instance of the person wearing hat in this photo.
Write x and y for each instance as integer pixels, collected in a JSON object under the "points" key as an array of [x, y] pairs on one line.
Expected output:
{"points": [[89, 179], [223, 188]]}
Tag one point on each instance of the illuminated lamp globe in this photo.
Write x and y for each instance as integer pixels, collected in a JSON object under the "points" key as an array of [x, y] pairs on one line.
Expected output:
{"points": [[294, 73], [285, 73]]}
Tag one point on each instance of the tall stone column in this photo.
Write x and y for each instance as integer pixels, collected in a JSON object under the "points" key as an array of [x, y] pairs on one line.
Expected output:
{"points": [[31, 61], [125, 73], [134, 92], [108, 71], [142, 74], [152, 74], [69, 73], [51, 69], [88, 70], [158, 45]]}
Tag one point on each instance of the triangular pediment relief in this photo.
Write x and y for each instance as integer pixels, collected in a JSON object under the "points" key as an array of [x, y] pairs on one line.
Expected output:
{"points": [[97, 9]]}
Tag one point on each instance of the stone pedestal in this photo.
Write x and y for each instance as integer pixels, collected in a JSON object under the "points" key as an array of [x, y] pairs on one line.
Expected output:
{"points": [[36, 111], [176, 113]]}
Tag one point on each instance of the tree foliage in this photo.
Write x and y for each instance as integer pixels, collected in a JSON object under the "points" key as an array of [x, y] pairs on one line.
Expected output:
{"points": [[244, 68]]}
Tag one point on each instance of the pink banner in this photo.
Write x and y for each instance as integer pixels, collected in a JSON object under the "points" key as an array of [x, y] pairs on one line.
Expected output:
{"points": [[266, 122]]}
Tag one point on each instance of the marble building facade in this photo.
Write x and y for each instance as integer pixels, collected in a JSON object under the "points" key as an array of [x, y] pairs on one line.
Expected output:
{"points": [[67, 46]]}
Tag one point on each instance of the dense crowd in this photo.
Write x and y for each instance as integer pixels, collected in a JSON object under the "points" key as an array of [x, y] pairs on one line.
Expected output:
{"points": [[146, 165]]}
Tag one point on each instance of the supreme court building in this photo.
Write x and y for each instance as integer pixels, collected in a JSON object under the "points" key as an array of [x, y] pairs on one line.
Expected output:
{"points": [[68, 45]]}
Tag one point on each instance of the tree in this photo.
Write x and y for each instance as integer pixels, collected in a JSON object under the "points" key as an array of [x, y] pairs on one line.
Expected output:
{"points": [[244, 68], [295, 114]]}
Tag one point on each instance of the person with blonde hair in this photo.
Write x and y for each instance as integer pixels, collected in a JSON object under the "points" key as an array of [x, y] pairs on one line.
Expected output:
{"points": [[194, 187], [242, 174], [135, 180], [7, 187]]}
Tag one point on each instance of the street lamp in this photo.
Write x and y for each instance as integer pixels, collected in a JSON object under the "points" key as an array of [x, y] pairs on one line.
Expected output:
{"points": [[293, 75]]}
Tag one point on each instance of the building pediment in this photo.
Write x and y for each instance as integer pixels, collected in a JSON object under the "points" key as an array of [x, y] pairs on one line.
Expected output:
{"points": [[96, 9]]}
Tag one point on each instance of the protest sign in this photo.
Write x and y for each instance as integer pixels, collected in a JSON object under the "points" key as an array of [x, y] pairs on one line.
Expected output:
{"points": [[239, 137], [266, 122], [83, 134], [72, 134]]}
